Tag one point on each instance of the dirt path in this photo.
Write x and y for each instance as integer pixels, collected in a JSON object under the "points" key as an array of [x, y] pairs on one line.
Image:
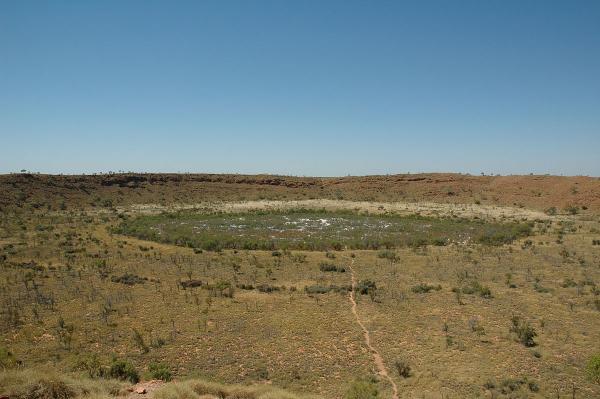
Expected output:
{"points": [[376, 356]]}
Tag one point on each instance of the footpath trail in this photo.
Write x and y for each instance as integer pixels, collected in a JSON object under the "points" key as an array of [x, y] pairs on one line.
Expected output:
{"points": [[376, 356]]}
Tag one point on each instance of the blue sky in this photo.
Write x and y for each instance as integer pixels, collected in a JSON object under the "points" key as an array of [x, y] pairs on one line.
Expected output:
{"points": [[300, 87]]}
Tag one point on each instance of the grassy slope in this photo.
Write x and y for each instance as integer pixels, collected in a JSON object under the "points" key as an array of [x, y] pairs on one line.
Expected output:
{"points": [[306, 343]]}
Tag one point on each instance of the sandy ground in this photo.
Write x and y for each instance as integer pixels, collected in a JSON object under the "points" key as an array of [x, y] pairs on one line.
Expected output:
{"points": [[423, 208]]}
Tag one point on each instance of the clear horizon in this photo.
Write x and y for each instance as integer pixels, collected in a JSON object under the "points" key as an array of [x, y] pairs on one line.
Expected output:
{"points": [[329, 88]]}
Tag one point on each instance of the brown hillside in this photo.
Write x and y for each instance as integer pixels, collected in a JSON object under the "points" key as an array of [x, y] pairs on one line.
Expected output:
{"points": [[536, 192]]}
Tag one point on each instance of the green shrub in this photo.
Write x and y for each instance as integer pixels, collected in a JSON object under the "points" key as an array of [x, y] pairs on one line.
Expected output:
{"points": [[425, 288], [128, 279], [387, 254], [572, 210], [317, 289], [497, 236], [417, 243], [212, 245], [266, 288], [7, 359], [362, 389], [124, 371], [65, 333], [298, 258], [91, 365], [440, 242], [329, 267], [593, 368], [512, 387], [540, 288], [403, 368], [476, 327], [51, 388], [475, 288], [485, 292], [524, 331], [568, 283], [533, 386], [365, 286], [138, 339], [192, 283], [160, 371]]}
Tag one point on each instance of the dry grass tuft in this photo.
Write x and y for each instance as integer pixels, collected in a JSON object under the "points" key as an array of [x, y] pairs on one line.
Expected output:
{"points": [[44, 384]]}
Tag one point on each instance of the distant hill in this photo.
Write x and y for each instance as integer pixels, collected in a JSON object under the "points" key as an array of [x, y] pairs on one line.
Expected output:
{"points": [[531, 191]]}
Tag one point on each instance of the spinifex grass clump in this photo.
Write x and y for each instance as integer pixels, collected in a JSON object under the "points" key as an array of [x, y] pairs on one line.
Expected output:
{"points": [[315, 230]]}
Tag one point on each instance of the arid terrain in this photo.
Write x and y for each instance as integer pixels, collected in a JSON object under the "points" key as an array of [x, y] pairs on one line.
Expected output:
{"points": [[534, 192], [231, 286]]}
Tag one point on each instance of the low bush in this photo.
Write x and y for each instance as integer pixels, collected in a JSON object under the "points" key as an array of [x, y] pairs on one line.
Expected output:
{"points": [[138, 340], [425, 288], [266, 288], [46, 384], [476, 327], [317, 289], [329, 267], [475, 288], [512, 387], [440, 242], [35, 384], [91, 365], [7, 359], [362, 389], [572, 210], [128, 279], [568, 283], [524, 331], [540, 288], [298, 258], [124, 371], [196, 389], [51, 388], [365, 286], [387, 254], [191, 283], [160, 371], [403, 368], [497, 236], [593, 368], [322, 289]]}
